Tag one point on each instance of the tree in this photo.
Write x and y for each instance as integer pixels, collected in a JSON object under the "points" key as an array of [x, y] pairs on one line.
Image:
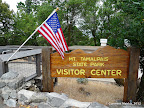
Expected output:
{"points": [[91, 19], [29, 6], [5, 23], [134, 30], [24, 25], [25, 22], [68, 14]]}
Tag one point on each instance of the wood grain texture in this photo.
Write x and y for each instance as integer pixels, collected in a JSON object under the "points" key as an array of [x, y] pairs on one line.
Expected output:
{"points": [[130, 86], [46, 73], [107, 57], [38, 67]]}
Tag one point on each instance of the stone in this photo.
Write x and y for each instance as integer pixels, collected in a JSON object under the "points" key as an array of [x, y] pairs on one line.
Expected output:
{"points": [[38, 98], [115, 106], [16, 83], [22, 98], [9, 75], [28, 84], [2, 84], [13, 94], [97, 105], [34, 105], [56, 102], [5, 92], [64, 96], [75, 103], [5, 96], [6, 89], [25, 95], [44, 105], [53, 94], [0, 92], [11, 103]]}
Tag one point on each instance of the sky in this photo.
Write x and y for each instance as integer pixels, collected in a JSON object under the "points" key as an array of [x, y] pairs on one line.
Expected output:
{"points": [[13, 3]]}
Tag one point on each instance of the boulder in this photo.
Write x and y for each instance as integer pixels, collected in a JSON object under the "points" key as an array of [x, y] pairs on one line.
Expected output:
{"points": [[25, 95], [75, 103], [11, 103], [56, 102], [9, 75], [97, 105], [38, 98], [2, 84]]}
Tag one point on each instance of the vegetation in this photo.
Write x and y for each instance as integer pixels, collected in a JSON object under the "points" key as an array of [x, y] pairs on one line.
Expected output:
{"points": [[92, 91], [83, 23]]}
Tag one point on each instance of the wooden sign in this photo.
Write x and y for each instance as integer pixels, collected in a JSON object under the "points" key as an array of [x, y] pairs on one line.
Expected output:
{"points": [[106, 62]]}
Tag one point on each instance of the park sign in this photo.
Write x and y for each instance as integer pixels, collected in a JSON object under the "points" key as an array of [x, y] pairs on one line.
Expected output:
{"points": [[105, 62]]}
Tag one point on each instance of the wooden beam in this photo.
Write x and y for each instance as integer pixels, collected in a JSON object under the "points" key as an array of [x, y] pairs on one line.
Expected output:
{"points": [[38, 67], [47, 79], [130, 86]]}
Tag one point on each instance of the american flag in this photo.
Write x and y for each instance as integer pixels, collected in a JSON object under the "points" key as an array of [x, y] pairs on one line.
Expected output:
{"points": [[52, 32]]}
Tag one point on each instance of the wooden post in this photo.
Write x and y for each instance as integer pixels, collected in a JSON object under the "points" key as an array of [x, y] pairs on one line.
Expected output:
{"points": [[38, 68], [47, 79], [130, 86], [3, 67], [6, 67]]}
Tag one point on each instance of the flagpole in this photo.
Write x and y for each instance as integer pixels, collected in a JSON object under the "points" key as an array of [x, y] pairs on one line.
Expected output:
{"points": [[32, 34]]}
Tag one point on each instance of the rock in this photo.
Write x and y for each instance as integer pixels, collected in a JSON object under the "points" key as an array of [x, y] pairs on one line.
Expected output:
{"points": [[0, 92], [22, 98], [5, 96], [16, 83], [11, 103], [28, 84], [56, 102], [5, 92], [6, 89], [75, 103], [53, 94], [115, 106], [33, 88], [97, 105], [64, 96], [2, 84], [44, 105], [13, 94], [34, 105], [25, 95], [9, 75], [38, 98]]}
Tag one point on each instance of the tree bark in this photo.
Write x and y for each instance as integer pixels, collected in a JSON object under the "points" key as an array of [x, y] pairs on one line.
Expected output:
{"points": [[140, 93], [94, 36]]}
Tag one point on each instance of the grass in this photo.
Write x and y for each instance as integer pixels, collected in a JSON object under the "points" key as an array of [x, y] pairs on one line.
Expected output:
{"points": [[94, 91]]}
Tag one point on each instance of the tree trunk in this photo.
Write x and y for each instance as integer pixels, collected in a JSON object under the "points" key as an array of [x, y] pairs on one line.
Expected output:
{"points": [[94, 36], [69, 34], [140, 93]]}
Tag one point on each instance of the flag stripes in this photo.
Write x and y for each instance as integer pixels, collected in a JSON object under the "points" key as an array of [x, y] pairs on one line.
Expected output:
{"points": [[52, 32], [44, 30]]}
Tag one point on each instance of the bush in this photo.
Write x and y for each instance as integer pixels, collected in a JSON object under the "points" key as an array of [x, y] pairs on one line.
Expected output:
{"points": [[82, 80]]}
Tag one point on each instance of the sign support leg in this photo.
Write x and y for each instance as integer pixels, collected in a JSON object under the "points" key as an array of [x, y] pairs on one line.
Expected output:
{"points": [[130, 86], [46, 73]]}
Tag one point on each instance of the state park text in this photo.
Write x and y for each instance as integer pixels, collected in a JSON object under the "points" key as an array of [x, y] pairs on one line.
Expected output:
{"points": [[106, 62]]}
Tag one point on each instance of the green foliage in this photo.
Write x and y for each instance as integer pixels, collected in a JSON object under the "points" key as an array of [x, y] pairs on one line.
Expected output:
{"points": [[5, 23], [43, 12], [91, 20], [82, 80], [24, 25]]}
